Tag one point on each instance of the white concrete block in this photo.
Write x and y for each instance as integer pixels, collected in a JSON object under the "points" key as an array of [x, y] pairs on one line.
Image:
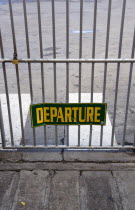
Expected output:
{"points": [[15, 115], [85, 129]]}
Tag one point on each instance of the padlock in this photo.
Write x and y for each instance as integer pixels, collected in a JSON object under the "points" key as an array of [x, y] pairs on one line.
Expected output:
{"points": [[15, 61]]}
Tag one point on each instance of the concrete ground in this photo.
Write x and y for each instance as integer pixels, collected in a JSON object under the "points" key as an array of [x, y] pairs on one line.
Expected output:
{"points": [[67, 190], [67, 180], [60, 8]]}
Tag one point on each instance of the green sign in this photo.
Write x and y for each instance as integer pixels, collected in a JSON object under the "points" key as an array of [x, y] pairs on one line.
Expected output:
{"points": [[68, 114]]}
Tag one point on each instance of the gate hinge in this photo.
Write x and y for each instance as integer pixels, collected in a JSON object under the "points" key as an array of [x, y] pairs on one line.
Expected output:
{"points": [[15, 60]]}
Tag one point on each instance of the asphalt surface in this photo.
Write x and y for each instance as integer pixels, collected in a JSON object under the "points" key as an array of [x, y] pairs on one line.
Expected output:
{"points": [[46, 15]]}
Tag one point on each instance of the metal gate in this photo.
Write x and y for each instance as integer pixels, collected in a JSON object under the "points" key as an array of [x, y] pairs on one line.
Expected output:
{"points": [[80, 27]]}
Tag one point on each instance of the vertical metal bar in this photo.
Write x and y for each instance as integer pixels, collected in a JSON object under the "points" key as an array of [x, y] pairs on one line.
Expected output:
{"points": [[80, 65], [118, 70], [134, 140], [2, 128], [41, 48], [29, 65], [41, 55], [67, 64], [80, 45], [6, 90], [106, 56], [93, 64], [17, 71], [128, 92], [54, 65]]}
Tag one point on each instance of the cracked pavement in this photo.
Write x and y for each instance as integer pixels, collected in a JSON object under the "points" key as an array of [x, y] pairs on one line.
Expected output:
{"points": [[67, 180], [69, 190]]}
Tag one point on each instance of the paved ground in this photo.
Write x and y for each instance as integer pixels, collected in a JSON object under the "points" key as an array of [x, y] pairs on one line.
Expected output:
{"points": [[67, 190], [74, 53], [67, 180]]}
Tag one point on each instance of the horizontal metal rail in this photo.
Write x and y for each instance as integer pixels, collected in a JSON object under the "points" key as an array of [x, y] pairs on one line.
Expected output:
{"points": [[81, 60], [69, 147]]}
